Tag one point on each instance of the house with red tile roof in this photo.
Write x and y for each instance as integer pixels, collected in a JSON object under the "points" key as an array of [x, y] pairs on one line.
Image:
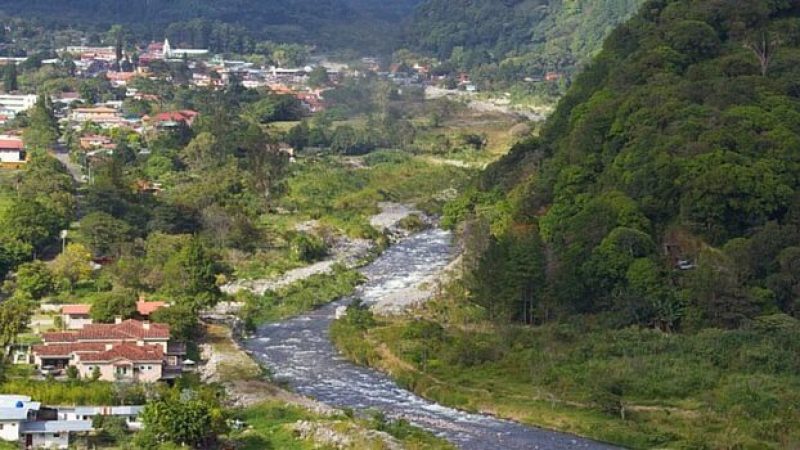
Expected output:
{"points": [[171, 119], [121, 79], [124, 362], [78, 316], [12, 152], [130, 350], [75, 317], [145, 308], [94, 141]]}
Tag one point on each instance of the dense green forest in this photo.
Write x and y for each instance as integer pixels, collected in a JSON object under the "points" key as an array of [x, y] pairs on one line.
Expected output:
{"points": [[329, 23], [504, 42], [676, 149]]}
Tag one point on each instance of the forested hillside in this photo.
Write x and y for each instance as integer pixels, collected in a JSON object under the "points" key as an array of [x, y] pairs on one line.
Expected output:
{"points": [[664, 189], [331, 23], [504, 42]]}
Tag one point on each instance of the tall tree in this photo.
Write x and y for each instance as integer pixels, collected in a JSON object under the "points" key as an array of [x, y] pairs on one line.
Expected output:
{"points": [[10, 77], [42, 133]]}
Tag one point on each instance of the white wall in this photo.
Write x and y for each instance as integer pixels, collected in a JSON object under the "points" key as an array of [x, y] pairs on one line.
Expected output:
{"points": [[10, 156], [9, 430], [49, 440]]}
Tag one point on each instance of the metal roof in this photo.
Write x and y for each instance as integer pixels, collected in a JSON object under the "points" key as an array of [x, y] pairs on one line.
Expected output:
{"points": [[57, 426]]}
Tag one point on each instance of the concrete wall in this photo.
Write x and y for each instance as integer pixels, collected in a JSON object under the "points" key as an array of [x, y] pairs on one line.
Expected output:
{"points": [[9, 430], [49, 440], [146, 373], [76, 322]]}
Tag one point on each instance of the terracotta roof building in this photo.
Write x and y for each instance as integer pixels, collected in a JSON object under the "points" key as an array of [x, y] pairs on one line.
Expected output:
{"points": [[129, 350]]}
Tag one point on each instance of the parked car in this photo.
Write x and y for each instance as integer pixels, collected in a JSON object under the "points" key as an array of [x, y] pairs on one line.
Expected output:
{"points": [[50, 370]]}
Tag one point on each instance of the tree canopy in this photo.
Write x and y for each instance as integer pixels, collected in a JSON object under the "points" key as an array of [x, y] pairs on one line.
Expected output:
{"points": [[664, 188]]}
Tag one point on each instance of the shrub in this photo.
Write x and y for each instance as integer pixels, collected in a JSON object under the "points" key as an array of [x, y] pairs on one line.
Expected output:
{"points": [[308, 248]]}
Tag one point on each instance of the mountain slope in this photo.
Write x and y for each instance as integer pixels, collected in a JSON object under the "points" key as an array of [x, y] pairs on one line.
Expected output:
{"points": [[665, 189], [352, 22], [511, 39]]}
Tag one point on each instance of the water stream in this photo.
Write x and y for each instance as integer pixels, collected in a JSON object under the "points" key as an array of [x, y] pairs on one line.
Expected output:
{"points": [[299, 351]]}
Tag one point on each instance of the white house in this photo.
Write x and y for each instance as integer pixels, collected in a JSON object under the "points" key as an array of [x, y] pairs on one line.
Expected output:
{"points": [[75, 317], [15, 411], [129, 413], [13, 104], [51, 434], [12, 151], [37, 427]]}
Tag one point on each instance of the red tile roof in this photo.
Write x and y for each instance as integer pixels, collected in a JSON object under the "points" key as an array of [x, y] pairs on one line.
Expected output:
{"points": [[129, 330], [60, 337], [146, 308], [79, 309], [15, 144], [130, 352], [65, 350], [186, 115]]}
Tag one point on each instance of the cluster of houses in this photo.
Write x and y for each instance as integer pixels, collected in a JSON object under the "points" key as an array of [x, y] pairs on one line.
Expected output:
{"points": [[34, 425], [133, 350], [92, 62], [206, 71]]}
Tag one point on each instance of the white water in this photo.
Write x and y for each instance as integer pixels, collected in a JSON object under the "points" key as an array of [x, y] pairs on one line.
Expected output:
{"points": [[299, 351]]}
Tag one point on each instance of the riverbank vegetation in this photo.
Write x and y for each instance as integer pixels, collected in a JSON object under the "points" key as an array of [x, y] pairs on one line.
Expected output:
{"points": [[299, 297], [632, 386]]}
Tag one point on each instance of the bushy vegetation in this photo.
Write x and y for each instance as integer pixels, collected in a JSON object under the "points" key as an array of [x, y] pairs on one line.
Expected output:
{"points": [[635, 387], [300, 296], [75, 392], [343, 196]]}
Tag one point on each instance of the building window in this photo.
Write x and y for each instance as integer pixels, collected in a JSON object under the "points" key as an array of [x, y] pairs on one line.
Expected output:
{"points": [[55, 435]]}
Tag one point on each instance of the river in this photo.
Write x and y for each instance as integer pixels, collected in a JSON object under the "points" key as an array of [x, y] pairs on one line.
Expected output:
{"points": [[300, 352]]}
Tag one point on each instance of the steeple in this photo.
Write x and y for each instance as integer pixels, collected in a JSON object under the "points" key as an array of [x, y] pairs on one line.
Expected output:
{"points": [[167, 49]]}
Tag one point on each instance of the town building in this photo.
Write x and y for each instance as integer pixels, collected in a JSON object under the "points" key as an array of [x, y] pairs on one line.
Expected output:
{"points": [[126, 351], [101, 115], [96, 141], [129, 413], [12, 152], [35, 426], [177, 53], [170, 119], [77, 316], [13, 104], [121, 79], [15, 410]]}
